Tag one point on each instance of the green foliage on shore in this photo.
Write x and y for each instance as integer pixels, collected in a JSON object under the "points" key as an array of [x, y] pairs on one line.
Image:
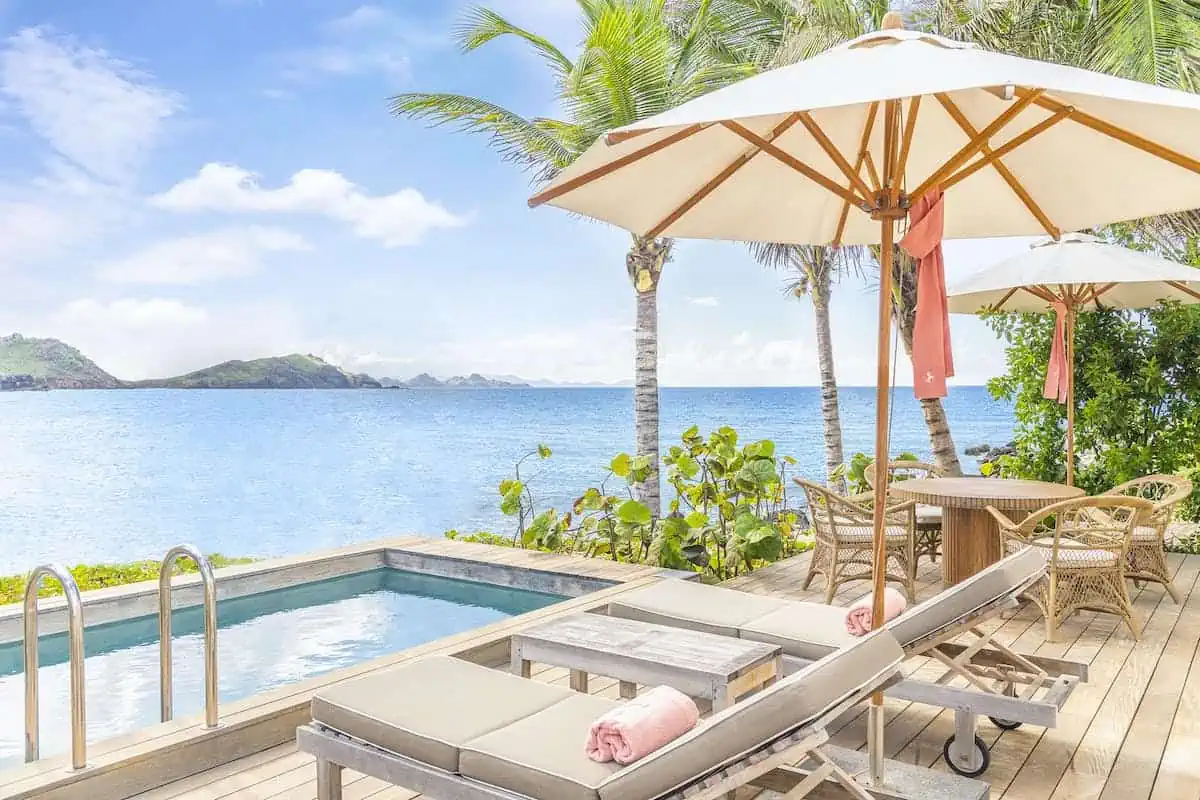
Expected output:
{"points": [[729, 515], [51, 364], [293, 371], [102, 576]]}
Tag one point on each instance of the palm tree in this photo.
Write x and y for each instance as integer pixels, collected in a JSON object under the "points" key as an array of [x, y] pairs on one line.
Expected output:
{"points": [[813, 272], [631, 65]]}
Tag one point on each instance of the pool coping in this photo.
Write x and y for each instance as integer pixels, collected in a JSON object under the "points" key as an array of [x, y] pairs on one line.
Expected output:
{"points": [[548, 573], [159, 754]]}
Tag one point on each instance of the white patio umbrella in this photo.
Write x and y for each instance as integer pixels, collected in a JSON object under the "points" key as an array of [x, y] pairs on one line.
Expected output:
{"points": [[835, 150], [1076, 274]]}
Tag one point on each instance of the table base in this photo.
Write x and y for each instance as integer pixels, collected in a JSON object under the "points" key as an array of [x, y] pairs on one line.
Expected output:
{"points": [[970, 543]]}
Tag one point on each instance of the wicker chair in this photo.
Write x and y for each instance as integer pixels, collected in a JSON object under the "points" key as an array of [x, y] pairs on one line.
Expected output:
{"points": [[929, 518], [842, 550], [1085, 543], [1147, 558]]}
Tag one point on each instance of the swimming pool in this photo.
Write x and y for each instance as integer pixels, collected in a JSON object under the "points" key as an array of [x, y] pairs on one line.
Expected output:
{"points": [[266, 640]]}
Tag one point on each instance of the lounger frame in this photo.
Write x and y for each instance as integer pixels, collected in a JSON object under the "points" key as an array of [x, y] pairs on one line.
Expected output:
{"points": [[336, 751], [1000, 683]]}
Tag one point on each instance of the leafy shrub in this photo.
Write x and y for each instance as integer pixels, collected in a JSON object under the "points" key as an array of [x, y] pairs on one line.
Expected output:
{"points": [[729, 514], [101, 576]]}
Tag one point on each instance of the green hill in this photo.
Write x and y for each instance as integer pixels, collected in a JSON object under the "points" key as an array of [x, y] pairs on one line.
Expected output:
{"points": [[282, 372], [29, 363]]}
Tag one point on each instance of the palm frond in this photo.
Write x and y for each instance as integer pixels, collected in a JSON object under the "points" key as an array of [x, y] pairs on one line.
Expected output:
{"points": [[542, 145], [481, 25], [1156, 41]]}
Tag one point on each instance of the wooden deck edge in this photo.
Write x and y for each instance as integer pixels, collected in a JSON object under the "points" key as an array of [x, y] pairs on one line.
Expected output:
{"points": [[172, 751]]}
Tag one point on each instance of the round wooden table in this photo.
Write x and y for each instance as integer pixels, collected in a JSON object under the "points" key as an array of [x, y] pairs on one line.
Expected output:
{"points": [[970, 536]]}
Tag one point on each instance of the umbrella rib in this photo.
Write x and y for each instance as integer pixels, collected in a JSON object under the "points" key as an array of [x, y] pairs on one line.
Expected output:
{"points": [[1120, 134], [910, 127], [1095, 295], [612, 166], [835, 155], [1184, 288], [972, 147], [719, 179], [1009, 146], [1019, 190], [795, 163], [1041, 293], [863, 144], [1007, 296]]}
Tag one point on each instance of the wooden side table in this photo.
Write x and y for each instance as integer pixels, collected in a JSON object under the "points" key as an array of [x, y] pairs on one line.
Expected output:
{"points": [[970, 538], [702, 665]]}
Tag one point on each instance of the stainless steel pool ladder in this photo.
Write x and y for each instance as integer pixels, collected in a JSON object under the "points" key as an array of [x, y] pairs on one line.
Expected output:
{"points": [[210, 632], [75, 643]]}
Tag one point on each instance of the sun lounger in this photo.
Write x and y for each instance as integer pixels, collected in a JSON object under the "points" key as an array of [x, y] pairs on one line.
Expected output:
{"points": [[992, 679], [452, 730]]}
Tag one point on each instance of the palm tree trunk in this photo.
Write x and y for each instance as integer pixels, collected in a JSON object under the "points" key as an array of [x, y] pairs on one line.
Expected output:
{"points": [[830, 413], [941, 442], [645, 263]]}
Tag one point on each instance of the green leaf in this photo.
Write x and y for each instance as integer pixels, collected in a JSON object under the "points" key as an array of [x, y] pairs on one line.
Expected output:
{"points": [[759, 474], [543, 451], [510, 503], [620, 465], [697, 519], [687, 466], [634, 513]]}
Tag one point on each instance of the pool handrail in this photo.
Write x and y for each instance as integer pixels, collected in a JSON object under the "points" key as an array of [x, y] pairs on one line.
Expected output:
{"points": [[76, 654], [166, 678]]}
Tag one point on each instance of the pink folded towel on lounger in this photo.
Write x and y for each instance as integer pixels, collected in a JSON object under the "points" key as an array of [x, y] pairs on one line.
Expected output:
{"points": [[637, 728], [858, 616]]}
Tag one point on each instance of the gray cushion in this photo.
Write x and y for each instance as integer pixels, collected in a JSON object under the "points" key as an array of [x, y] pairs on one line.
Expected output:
{"points": [[542, 756], [798, 700], [805, 630], [687, 604], [997, 581], [428, 709]]}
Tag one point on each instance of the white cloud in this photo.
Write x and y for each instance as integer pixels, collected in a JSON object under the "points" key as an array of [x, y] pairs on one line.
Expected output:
{"points": [[368, 40], [229, 253], [130, 314], [91, 107], [707, 302], [396, 220]]}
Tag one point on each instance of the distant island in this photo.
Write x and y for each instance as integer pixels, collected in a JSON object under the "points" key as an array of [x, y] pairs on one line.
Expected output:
{"points": [[32, 364]]}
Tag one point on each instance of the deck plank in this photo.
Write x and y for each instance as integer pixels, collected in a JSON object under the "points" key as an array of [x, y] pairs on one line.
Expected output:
{"points": [[1131, 733]]}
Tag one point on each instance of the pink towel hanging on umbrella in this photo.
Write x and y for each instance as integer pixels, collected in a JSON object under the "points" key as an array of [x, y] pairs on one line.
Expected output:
{"points": [[932, 360], [1056, 372]]}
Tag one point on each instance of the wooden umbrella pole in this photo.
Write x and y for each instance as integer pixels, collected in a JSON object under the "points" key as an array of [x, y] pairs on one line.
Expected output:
{"points": [[1069, 334]]}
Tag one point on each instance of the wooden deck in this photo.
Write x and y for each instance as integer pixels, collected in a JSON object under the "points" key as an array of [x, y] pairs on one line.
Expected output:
{"points": [[1131, 733]]}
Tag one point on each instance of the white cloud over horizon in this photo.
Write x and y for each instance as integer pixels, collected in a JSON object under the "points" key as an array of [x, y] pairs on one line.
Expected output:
{"points": [[399, 219], [199, 258]]}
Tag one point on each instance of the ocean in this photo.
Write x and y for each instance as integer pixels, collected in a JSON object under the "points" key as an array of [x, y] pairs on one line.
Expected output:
{"points": [[102, 476]]}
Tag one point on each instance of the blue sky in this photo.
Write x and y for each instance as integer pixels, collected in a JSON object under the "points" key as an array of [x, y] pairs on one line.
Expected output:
{"points": [[192, 181]]}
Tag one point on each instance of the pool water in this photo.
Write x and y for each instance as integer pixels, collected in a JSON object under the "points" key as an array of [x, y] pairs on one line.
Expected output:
{"points": [[265, 641]]}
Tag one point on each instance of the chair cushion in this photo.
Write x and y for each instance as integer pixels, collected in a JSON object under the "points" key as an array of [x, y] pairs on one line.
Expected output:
{"points": [[795, 702], [928, 516], [805, 630], [866, 534], [1143, 534], [543, 755], [428, 709], [693, 605], [1069, 557]]}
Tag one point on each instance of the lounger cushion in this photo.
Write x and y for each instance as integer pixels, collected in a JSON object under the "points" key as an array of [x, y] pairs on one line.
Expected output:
{"points": [[796, 701], [997, 581], [687, 604], [428, 709], [805, 630], [542, 755]]}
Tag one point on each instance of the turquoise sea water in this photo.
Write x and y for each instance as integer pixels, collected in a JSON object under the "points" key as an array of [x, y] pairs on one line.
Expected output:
{"points": [[120, 475]]}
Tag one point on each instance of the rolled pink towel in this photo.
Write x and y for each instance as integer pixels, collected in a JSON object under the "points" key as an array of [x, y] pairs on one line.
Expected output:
{"points": [[858, 616], [637, 728]]}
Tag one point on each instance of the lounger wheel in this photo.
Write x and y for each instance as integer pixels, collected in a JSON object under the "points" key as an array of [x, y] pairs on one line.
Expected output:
{"points": [[982, 757], [1005, 724]]}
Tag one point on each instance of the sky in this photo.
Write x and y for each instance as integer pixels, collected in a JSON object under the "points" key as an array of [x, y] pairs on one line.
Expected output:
{"points": [[188, 182]]}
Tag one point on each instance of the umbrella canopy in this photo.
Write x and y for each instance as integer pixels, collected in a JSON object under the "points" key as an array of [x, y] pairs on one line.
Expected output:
{"points": [[1021, 147], [1096, 274], [1077, 274], [836, 149]]}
